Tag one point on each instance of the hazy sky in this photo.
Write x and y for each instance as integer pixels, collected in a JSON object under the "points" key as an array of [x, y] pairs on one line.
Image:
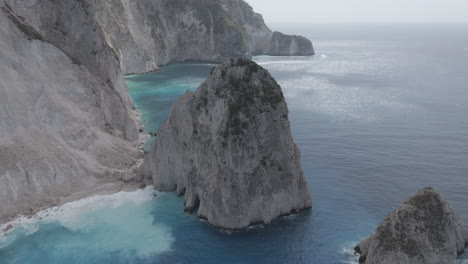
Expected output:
{"points": [[336, 11]]}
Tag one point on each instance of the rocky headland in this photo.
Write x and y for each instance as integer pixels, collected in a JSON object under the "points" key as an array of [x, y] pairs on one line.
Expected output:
{"points": [[68, 128], [424, 230], [228, 148]]}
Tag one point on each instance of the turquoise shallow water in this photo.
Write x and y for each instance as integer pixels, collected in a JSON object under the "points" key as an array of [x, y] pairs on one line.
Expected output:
{"points": [[378, 113], [162, 89]]}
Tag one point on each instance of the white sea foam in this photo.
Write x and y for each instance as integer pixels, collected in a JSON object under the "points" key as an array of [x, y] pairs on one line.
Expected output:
{"points": [[348, 253], [111, 223], [66, 213]]}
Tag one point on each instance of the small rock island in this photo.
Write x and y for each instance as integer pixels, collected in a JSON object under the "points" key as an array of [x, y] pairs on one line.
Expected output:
{"points": [[424, 230], [228, 148]]}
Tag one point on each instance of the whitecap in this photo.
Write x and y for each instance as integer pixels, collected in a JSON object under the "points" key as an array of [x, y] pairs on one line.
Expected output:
{"points": [[348, 253]]}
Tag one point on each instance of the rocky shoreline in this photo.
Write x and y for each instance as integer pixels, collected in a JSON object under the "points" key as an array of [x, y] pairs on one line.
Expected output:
{"points": [[69, 126], [78, 205]]}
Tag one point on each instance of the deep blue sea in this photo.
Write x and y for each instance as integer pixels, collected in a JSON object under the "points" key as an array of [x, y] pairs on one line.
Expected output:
{"points": [[378, 113]]}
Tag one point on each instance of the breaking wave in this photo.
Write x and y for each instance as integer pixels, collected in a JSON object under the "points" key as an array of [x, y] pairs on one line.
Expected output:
{"points": [[98, 225]]}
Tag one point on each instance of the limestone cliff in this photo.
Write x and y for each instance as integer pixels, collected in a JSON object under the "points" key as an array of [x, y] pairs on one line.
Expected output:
{"points": [[155, 32], [66, 121], [285, 45], [424, 230], [228, 148], [67, 124]]}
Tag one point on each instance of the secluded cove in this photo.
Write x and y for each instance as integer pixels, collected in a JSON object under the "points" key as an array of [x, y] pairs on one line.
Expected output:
{"points": [[162, 88]]}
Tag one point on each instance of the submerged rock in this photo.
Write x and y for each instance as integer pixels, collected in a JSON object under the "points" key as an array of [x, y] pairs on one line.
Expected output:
{"points": [[8, 228], [424, 230], [228, 148]]}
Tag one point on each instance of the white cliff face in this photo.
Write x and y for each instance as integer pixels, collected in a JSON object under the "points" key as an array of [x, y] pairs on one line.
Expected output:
{"points": [[148, 33], [63, 129], [67, 124], [228, 148], [424, 230], [285, 45]]}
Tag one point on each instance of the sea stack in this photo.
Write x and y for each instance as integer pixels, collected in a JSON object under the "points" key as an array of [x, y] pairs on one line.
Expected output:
{"points": [[228, 148], [424, 230]]}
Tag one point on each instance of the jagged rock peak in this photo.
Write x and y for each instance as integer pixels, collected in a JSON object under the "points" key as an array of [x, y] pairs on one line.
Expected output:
{"points": [[424, 230], [228, 148]]}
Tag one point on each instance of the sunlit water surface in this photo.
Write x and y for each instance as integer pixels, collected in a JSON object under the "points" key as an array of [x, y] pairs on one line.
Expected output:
{"points": [[378, 113]]}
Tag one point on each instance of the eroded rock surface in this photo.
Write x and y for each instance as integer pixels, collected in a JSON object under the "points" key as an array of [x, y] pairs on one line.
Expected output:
{"points": [[228, 148], [66, 121], [67, 124], [424, 230]]}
